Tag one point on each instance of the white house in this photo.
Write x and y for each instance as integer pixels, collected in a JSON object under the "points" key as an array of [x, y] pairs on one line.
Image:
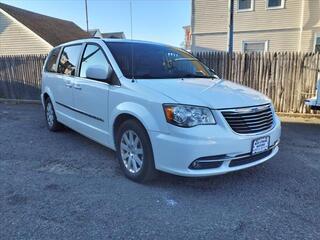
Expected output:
{"points": [[25, 32], [259, 25]]}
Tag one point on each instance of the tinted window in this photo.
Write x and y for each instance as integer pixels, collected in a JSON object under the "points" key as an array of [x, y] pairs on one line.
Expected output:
{"points": [[274, 3], [52, 60], [93, 56], [69, 60], [245, 4], [151, 61]]}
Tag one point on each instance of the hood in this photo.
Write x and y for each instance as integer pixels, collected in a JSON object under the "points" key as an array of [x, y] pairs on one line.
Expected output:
{"points": [[216, 94]]}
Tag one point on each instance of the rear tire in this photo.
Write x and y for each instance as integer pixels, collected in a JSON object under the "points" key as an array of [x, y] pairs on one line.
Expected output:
{"points": [[52, 122], [134, 152]]}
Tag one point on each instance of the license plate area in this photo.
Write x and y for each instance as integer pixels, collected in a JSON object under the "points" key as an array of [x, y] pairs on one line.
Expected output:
{"points": [[260, 145]]}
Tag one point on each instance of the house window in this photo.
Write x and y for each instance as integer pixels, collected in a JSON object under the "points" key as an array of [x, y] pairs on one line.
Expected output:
{"points": [[317, 43], [245, 5], [255, 46], [275, 4]]}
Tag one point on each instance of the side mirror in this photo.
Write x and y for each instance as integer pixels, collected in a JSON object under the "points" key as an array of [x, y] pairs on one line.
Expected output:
{"points": [[99, 72]]}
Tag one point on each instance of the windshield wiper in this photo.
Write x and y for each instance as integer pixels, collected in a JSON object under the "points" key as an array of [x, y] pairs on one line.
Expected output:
{"points": [[185, 59], [146, 76], [189, 75]]}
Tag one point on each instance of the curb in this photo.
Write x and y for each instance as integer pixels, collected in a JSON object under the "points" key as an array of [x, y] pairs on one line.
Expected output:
{"points": [[298, 115], [18, 101]]}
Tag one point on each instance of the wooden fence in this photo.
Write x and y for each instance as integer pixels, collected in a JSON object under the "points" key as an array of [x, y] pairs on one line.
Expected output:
{"points": [[287, 78], [20, 76]]}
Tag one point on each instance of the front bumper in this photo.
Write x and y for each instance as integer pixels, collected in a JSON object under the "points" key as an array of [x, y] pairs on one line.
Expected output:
{"points": [[175, 152]]}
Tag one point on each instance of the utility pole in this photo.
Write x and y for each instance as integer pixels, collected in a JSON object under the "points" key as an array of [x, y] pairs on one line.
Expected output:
{"points": [[230, 30], [87, 21]]}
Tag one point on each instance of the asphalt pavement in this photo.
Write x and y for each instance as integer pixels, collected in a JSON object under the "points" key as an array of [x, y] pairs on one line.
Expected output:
{"points": [[65, 186]]}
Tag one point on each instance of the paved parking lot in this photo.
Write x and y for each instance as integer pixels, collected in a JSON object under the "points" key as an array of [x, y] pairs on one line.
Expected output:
{"points": [[64, 186]]}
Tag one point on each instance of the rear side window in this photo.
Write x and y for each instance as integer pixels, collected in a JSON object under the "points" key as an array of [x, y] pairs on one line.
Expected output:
{"points": [[51, 65], [69, 60]]}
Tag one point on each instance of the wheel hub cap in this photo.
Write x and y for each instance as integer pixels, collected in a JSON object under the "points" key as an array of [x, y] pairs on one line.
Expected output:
{"points": [[50, 115], [131, 151]]}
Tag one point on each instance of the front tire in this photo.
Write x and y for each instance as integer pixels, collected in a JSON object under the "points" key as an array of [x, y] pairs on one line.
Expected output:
{"points": [[134, 152], [52, 122]]}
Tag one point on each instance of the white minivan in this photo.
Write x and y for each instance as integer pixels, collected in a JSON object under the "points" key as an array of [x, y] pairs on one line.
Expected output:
{"points": [[158, 107]]}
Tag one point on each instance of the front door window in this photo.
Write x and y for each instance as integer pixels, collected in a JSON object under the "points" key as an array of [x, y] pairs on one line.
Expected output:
{"points": [[93, 56]]}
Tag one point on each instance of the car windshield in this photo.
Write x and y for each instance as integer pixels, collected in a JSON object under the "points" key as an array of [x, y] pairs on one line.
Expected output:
{"points": [[152, 61]]}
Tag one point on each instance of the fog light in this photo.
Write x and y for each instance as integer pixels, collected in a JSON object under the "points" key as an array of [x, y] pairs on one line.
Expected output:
{"points": [[195, 164]]}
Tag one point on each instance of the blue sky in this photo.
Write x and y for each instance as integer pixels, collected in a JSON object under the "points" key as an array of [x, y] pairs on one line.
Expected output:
{"points": [[154, 20]]}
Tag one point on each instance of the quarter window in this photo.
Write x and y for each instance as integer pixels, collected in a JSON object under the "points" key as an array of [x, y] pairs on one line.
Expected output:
{"points": [[245, 5], [275, 3], [51, 65], [69, 60], [93, 56]]}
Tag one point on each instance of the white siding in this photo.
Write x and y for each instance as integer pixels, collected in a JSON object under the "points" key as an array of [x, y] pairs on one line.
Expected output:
{"points": [[16, 39], [310, 25], [278, 41], [308, 39], [282, 28], [210, 16], [266, 19], [311, 14], [209, 42], [285, 40]]}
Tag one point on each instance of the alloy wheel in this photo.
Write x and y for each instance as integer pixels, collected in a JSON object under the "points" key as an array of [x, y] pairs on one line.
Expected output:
{"points": [[50, 114], [131, 151]]}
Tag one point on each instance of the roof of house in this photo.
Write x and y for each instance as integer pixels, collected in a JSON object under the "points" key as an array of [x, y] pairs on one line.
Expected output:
{"points": [[119, 35], [53, 30]]}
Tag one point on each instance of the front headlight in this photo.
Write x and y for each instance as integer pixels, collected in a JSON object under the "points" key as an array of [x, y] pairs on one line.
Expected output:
{"points": [[188, 116]]}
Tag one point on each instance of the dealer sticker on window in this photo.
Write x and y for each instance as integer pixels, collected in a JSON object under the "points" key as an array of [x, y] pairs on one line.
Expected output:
{"points": [[260, 145]]}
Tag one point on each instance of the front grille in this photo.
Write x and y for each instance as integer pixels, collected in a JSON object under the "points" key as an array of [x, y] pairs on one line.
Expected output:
{"points": [[249, 120]]}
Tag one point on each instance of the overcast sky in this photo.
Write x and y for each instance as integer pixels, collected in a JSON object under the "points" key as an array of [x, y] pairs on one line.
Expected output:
{"points": [[153, 20]]}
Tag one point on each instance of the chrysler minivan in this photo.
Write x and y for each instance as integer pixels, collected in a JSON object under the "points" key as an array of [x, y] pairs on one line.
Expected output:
{"points": [[158, 107]]}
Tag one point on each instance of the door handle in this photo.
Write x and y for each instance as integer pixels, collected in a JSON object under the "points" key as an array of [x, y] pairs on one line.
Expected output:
{"points": [[68, 84], [77, 86]]}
